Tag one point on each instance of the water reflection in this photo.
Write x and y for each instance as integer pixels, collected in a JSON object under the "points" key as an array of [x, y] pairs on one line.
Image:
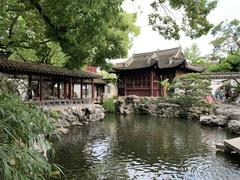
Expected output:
{"points": [[143, 147]]}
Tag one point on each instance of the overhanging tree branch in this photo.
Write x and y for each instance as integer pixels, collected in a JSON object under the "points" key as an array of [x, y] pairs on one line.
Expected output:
{"points": [[12, 25]]}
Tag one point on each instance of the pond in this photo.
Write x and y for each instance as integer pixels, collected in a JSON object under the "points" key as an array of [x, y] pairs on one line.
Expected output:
{"points": [[145, 147]]}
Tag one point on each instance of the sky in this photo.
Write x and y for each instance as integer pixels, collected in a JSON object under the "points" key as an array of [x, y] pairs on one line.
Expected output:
{"points": [[150, 40]]}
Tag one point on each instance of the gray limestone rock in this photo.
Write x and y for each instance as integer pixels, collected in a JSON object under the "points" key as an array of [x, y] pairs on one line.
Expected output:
{"points": [[213, 120], [234, 126]]}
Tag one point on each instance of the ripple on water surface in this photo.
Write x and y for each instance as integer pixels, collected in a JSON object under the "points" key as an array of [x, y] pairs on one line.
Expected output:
{"points": [[142, 147]]}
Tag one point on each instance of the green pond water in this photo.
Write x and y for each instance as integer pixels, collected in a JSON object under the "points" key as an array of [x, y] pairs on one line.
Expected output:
{"points": [[144, 147]]}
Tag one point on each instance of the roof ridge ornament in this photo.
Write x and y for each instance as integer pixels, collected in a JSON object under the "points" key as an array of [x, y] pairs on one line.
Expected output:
{"points": [[170, 60], [178, 52], [129, 61]]}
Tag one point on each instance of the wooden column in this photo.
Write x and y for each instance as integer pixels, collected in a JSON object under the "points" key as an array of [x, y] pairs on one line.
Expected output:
{"points": [[53, 84], [65, 90], [70, 89], [151, 83], [29, 87], [157, 79], [58, 90], [81, 88], [93, 90], [125, 86], [41, 88], [160, 86], [29, 81]]}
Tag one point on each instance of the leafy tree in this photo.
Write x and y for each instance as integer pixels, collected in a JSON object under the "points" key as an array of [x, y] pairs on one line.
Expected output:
{"points": [[82, 32], [87, 32], [227, 38], [194, 17], [193, 54], [229, 64]]}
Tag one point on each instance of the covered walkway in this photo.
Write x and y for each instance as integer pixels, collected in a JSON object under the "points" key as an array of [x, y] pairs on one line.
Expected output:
{"points": [[51, 85]]}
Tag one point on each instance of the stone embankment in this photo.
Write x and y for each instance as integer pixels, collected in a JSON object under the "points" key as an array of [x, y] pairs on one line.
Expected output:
{"points": [[221, 115], [225, 115], [74, 116], [158, 107]]}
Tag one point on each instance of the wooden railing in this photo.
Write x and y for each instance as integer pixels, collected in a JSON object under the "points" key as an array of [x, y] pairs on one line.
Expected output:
{"points": [[61, 102]]}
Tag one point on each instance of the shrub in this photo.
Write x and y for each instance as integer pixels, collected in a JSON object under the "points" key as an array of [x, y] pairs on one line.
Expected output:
{"points": [[192, 85], [190, 90], [188, 101], [109, 105], [20, 126]]}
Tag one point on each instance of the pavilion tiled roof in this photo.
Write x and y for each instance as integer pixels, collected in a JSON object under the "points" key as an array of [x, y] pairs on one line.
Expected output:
{"points": [[99, 81], [25, 68], [164, 59]]}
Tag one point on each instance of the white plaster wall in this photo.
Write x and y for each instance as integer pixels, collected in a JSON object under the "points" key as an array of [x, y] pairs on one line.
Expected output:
{"points": [[113, 91], [216, 83]]}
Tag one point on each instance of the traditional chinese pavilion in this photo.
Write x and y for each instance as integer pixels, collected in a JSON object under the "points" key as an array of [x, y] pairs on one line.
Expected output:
{"points": [[50, 85], [140, 74]]}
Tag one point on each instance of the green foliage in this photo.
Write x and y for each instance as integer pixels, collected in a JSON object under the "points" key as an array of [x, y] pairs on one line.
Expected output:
{"points": [[87, 32], [109, 77], [70, 31], [188, 101], [191, 89], [194, 21], [109, 105], [191, 85], [166, 86], [20, 126], [6, 85], [54, 114], [227, 38], [229, 64], [194, 55]]}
